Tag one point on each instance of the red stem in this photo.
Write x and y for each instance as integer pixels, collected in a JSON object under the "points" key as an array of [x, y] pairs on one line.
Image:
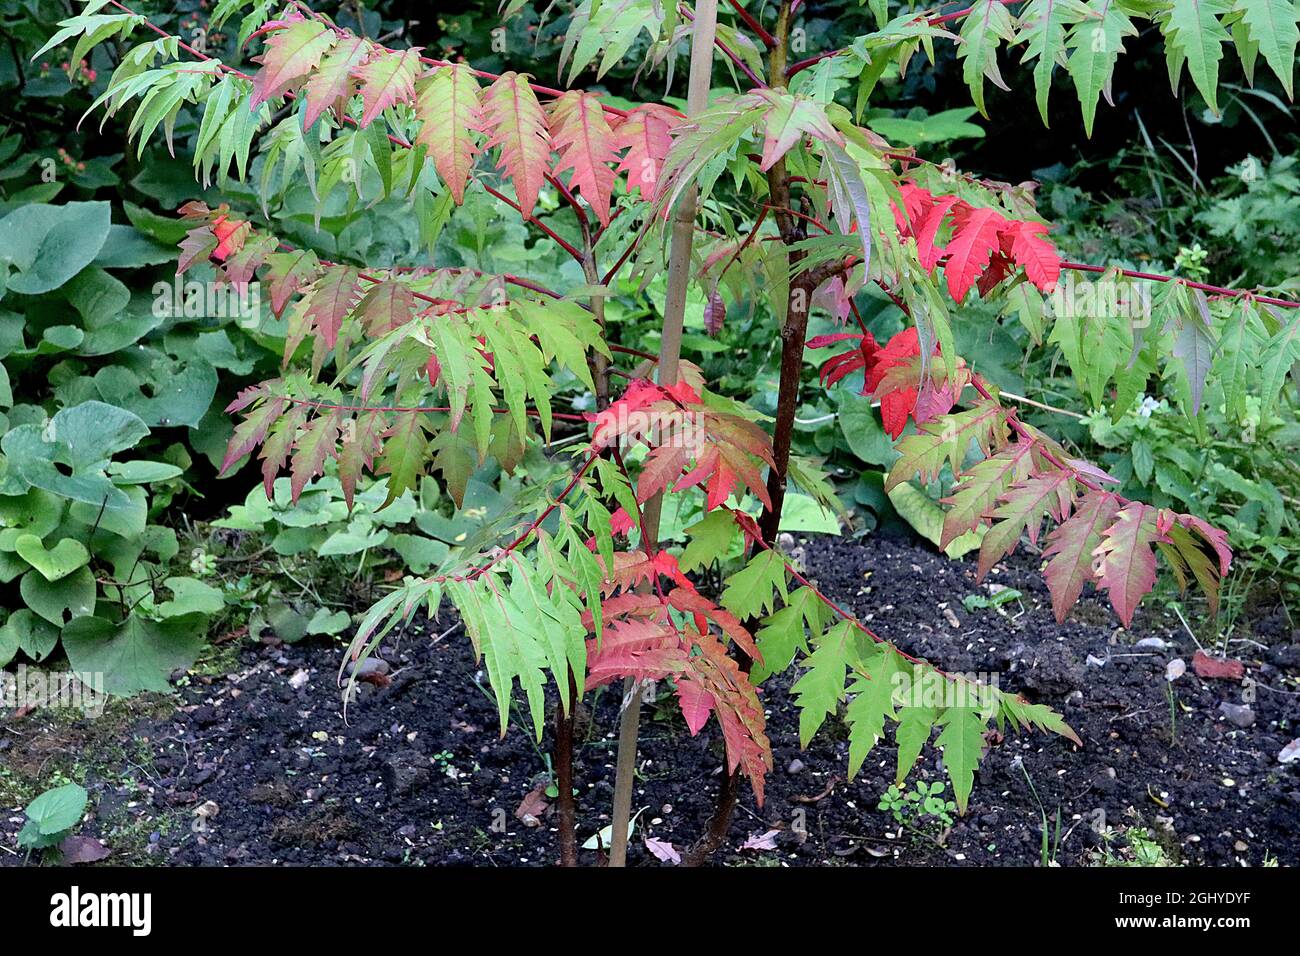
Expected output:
{"points": [[728, 52], [753, 23]]}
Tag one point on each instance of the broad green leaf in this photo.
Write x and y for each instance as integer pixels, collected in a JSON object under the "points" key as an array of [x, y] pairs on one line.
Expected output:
{"points": [[54, 563], [57, 810], [137, 654]]}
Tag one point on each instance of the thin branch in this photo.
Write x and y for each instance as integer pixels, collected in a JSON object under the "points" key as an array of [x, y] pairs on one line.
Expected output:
{"points": [[329, 406], [753, 23], [728, 52]]}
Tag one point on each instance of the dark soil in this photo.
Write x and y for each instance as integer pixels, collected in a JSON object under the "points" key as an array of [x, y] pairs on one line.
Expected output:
{"points": [[256, 764]]}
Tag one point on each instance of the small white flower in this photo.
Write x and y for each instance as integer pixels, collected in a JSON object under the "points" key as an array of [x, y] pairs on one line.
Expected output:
{"points": [[1148, 406]]}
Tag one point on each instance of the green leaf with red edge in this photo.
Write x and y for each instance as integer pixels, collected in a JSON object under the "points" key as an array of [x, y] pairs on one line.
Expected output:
{"points": [[314, 445], [252, 431], [332, 83], [456, 456], [448, 107], [976, 234], [290, 272], [333, 296], [646, 134], [386, 80], [199, 243], [517, 125], [291, 53], [980, 488], [1070, 548], [946, 439], [279, 444], [362, 441], [1126, 563], [405, 451], [1024, 506], [581, 134], [386, 306], [788, 119]]}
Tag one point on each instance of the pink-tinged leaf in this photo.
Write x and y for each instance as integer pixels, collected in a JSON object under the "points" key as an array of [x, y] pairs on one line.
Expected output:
{"points": [[386, 80], [787, 120], [663, 852], [290, 272], [739, 712], [448, 107], [518, 125], [240, 266], [197, 245], [333, 296], [291, 53], [1088, 470], [976, 234], [252, 431], [715, 313], [662, 467], [386, 306], [646, 134], [585, 143], [639, 640], [278, 444], [690, 601], [247, 396], [980, 488], [696, 703], [831, 296], [361, 443], [1070, 549], [333, 83], [230, 235], [1035, 254], [761, 841], [1126, 561], [1023, 508], [314, 445]]}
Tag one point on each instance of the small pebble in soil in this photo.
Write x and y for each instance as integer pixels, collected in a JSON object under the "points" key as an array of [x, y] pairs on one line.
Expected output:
{"points": [[1240, 715], [1151, 644], [795, 766]]}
